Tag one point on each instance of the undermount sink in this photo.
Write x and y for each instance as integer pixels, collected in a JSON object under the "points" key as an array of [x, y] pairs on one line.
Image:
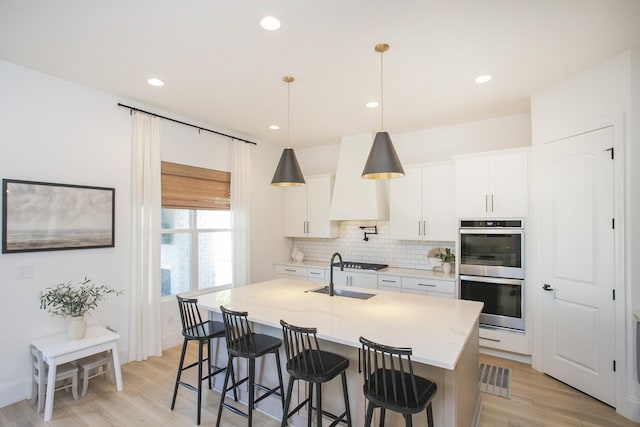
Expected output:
{"points": [[343, 293]]}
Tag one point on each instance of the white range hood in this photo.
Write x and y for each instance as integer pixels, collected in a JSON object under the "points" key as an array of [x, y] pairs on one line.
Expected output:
{"points": [[355, 198]]}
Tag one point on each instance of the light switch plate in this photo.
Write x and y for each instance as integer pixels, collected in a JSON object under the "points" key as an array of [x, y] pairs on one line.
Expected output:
{"points": [[25, 272]]}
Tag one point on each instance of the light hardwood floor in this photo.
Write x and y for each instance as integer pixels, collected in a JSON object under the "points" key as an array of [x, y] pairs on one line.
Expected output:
{"points": [[537, 400]]}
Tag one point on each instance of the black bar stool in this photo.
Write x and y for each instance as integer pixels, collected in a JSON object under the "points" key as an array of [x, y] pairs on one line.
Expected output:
{"points": [[194, 329], [389, 383], [306, 362], [243, 343]]}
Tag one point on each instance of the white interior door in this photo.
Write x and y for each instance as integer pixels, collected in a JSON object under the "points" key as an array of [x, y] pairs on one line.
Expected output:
{"points": [[578, 263]]}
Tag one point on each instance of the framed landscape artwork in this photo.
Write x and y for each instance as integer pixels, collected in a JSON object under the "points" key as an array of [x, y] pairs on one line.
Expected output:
{"points": [[41, 216]]}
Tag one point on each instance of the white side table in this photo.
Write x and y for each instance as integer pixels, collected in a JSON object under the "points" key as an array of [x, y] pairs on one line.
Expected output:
{"points": [[60, 349]]}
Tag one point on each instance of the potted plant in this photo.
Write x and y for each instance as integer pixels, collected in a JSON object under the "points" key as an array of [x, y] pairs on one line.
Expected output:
{"points": [[447, 257], [67, 300]]}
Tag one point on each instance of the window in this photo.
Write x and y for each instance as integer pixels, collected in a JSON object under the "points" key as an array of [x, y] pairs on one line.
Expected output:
{"points": [[196, 229]]}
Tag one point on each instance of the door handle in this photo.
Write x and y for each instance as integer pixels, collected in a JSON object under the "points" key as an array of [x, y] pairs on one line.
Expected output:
{"points": [[547, 287]]}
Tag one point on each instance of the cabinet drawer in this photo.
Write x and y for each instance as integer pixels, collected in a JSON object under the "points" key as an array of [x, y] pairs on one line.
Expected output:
{"points": [[430, 285], [315, 274], [389, 281], [291, 270]]}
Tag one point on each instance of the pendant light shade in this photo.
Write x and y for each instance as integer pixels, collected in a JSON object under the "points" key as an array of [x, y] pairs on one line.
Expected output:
{"points": [[383, 162], [288, 172]]}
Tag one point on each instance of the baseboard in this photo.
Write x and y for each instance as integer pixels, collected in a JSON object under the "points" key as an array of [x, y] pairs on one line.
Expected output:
{"points": [[13, 392], [630, 409], [523, 358]]}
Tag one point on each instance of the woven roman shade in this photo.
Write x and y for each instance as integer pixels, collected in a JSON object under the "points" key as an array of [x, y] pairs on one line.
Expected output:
{"points": [[190, 187]]}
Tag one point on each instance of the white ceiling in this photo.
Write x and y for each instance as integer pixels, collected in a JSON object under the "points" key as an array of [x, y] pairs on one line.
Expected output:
{"points": [[221, 68]]}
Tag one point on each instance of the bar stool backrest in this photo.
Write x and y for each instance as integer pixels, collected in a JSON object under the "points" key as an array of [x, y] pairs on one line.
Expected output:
{"points": [[302, 348], [190, 316], [238, 332], [388, 373]]}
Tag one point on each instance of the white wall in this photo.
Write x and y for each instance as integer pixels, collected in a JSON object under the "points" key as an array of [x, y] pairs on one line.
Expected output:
{"points": [[598, 95], [56, 131]]}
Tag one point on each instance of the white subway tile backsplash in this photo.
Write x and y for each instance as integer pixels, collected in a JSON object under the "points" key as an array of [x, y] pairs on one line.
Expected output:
{"points": [[380, 248]]}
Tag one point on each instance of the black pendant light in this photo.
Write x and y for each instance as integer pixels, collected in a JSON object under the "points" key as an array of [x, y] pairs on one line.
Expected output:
{"points": [[288, 173], [383, 162]]}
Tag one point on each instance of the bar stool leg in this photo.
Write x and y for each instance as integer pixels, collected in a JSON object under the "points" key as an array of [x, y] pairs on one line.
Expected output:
{"points": [[252, 389], [200, 345], [287, 404], [346, 398], [224, 389], [429, 415], [319, 404], [382, 414], [310, 406], [408, 420], [369, 415], [175, 390], [279, 369]]}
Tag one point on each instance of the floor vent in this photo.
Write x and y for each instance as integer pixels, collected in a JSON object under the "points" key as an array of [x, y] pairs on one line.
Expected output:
{"points": [[495, 380]]}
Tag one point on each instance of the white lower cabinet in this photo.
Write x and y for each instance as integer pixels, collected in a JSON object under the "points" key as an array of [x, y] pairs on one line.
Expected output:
{"points": [[316, 275], [431, 287], [296, 272], [359, 280], [389, 282], [514, 342]]}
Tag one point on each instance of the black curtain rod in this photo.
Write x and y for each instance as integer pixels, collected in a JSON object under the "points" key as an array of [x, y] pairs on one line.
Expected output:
{"points": [[185, 123]]}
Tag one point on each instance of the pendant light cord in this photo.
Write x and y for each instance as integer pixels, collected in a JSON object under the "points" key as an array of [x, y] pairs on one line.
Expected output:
{"points": [[288, 114], [381, 92]]}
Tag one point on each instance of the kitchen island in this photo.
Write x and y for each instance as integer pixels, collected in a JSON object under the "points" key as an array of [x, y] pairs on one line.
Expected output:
{"points": [[442, 332]]}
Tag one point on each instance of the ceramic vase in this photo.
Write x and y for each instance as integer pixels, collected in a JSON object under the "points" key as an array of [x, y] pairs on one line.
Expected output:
{"points": [[446, 267], [77, 328]]}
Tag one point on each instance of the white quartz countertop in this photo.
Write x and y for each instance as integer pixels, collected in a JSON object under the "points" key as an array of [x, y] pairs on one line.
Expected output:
{"points": [[429, 274], [436, 328]]}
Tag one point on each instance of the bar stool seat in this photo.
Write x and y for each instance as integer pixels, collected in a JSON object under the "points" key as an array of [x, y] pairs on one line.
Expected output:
{"points": [[242, 342], [307, 362], [389, 383]]}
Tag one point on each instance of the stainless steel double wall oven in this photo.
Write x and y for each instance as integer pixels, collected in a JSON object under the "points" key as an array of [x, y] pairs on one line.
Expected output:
{"points": [[491, 265]]}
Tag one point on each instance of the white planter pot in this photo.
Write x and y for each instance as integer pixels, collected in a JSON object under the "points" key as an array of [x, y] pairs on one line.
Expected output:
{"points": [[446, 267], [77, 328]]}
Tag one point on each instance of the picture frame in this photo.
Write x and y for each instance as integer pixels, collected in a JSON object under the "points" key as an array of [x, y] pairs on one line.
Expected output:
{"points": [[44, 216]]}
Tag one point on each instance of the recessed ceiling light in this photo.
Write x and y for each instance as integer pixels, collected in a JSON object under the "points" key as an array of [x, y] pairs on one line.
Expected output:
{"points": [[155, 82], [483, 78], [372, 104], [274, 127], [270, 23]]}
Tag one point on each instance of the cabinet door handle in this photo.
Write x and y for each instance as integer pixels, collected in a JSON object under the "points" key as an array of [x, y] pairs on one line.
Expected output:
{"points": [[314, 272], [292, 271], [419, 231], [486, 203], [489, 339], [424, 227], [389, 281], [427, 284], [492, 203]]}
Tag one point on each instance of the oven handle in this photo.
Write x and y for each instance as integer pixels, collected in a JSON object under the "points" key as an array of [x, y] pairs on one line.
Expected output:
{"points": [[492, 231], [517, 282]]}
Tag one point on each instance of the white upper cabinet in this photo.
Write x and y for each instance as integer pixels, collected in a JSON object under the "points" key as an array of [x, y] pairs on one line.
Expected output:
{"points": [[307, 209], [422, 204], [492, 186]]}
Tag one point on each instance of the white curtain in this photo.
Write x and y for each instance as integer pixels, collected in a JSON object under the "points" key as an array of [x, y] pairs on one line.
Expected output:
{"points": [[240, 196], [145, 335]]}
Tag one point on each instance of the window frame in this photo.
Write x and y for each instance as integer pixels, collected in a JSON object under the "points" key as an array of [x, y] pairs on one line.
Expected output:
{"points": [[193, 232]]}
